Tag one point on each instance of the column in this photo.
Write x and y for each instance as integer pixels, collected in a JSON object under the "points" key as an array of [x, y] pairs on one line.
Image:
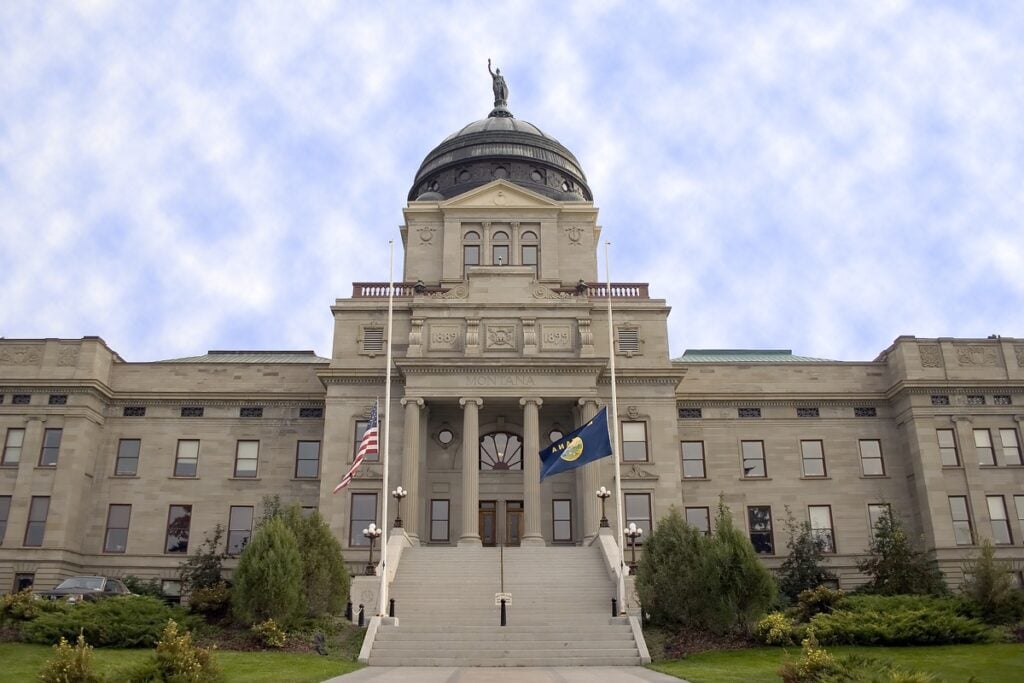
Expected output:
{"points": [[411, 468], [470, 471], [531, 471], [589, 481]]}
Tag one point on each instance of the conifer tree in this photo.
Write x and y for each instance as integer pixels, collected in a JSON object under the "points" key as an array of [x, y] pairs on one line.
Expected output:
{"points": [[802, 569], [746, 587], [895, 566], [268, 581], [325, 579], [988, 583]]}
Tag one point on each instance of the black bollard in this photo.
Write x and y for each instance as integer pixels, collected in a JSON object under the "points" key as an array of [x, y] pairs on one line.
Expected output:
{"points": [[361, 618], [348, 610], [615, 607], [503, 618], [391, 607]]}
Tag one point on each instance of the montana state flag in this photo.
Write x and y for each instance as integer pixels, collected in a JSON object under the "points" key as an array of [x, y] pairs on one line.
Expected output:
{"points": [[586, 444]]}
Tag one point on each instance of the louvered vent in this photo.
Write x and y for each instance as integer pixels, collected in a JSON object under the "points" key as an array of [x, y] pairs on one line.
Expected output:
{"points": [[373, 339], [629, 341]]}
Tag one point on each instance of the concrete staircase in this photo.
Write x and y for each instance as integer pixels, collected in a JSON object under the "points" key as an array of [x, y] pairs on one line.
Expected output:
{"points": [[560, 613]]}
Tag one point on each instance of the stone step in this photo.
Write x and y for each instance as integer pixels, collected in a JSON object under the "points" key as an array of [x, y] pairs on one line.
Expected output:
{"points": [[521, 630], [596, 641], [560, 659]]}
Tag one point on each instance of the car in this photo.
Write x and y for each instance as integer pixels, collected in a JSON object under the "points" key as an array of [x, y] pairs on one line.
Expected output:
{"points": [[79, 588]]}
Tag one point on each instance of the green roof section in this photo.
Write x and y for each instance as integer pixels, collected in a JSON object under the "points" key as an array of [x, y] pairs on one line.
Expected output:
{"points": [[745, 356], [254, 357]]}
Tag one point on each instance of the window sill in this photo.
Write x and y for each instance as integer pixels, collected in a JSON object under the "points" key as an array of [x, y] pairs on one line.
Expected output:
{"points": [[875, 476], [755, 478], [952, 467], [696, 478], [244, 479], [45, 467], [129, 476], [988, 467], [175, 476], [10, 466], [305, 478], [806, 478]]}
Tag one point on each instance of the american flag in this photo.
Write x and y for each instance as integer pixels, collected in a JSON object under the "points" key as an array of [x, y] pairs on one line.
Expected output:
{"points": [[368, 446]]}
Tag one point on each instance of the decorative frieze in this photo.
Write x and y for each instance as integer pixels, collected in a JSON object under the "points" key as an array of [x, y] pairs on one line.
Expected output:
{"points": [[931, 355], [20, 355], [501, 337], [976, 355], [1019, 352], [67, 356]]}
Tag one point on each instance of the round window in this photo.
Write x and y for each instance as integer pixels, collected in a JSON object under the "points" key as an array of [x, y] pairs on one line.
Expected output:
{"points": [[445, 436], [555, 435]]}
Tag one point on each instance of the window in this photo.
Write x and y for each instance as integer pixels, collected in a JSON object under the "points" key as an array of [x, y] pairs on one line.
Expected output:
{"points": [[808, 412], [23, 581], [561, 521], [21, 399], [760, 519], [975, 400], [501, 452], [58, 400], [171, 589], [179, 524], [983, 445], [250, 411], [499, 249], [1002, 400], [116, 538], [186, 462], [247, 457], [307, 460], [311, 412], [821, 526], [875, 512], [470, 250], [1011, 446], [940, 400], [5, 514], [38, 510], [690, 413], [372, 455], [693, 460], [634, 441], [127, 464], [239, 528], [638, 511], [947, 448], [962, 531], [871, 464], [813, 455], [530, 255], [308, 511], [753, 459], [439, 515], [192, 411], [699, 519], [364, 512], [134, 411], [748, 412], [1000, 522], [865, 411], [12, 446], [51, 447], [1018, 502]]}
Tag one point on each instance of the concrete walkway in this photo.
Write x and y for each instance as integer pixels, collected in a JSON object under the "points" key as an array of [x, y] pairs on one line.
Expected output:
{"points": [[567, 674]]}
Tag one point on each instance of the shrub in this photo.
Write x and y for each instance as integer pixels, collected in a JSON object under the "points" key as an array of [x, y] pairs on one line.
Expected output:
{"points": [[150, 587], [814, 663], [270, 634], [895, 567], [858, 622], [70, 664], [745, 586], [177, 660], [206, 567], [816, 601], [325, 579], [130, 621], [268, 578], [802, 569], [775, 629], [212, 602], [988, 583], [24, 606]]}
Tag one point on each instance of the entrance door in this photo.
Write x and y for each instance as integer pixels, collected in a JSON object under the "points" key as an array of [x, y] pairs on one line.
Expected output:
{"points": [[513, 522], [488, 522]]}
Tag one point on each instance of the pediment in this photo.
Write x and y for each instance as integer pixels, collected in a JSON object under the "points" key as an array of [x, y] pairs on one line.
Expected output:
{"points": [[500, 194]]}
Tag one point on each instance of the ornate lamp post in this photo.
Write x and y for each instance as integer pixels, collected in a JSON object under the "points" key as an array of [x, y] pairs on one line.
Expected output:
{"points": [[633, 532], [372, 533], [604, 494], [398, 494]]}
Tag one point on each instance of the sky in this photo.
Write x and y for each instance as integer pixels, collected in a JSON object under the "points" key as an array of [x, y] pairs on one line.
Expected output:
{"points": [[821, 177]]}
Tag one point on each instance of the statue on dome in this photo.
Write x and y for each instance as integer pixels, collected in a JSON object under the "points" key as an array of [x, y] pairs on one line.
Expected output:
{"points": [[500, 88]]}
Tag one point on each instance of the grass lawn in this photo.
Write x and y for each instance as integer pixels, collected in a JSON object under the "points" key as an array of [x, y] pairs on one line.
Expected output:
{"points": [[996, 663], [21, 662]]}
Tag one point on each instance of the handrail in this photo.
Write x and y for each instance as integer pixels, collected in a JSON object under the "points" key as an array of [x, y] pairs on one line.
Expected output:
{"points": [[594, 290], [501, 565]]}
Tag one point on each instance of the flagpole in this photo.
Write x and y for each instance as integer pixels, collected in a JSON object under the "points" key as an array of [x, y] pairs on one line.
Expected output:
{"points": [[387, 435], [615, 433]]}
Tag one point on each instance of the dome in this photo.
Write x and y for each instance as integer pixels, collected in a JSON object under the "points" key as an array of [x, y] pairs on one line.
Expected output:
{"points": [[500, 146]]}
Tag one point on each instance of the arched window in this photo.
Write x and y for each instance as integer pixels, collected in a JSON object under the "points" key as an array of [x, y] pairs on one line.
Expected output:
{"points": [[501, 451], [499, 248], [529, 250], [470, 250]]}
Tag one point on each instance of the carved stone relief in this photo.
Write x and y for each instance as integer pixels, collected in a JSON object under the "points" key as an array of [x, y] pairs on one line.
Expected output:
{"points": [[1019, 352], [472, 336], [501, 338], [586, 334], [931, 355], [20, 355], [636, 472], [445, 337], [556, 337], [529, 335], [976, 354], [575, 235], [539, 291], [459, 291], [426, 234], [68, 356]]}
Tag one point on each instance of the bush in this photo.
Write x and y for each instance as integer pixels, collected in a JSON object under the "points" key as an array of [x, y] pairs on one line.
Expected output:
{"points": [[745, 586], [212, 602], [130, 621], [177, 660], [897, 621], [149, 587], [895, 567], [270, 634], [325, 579], [204, 569], [70, 664], [802, 569], [268, 578], [775, 629], [24, 606], [988, 583], [816, 601], [814, 663]]}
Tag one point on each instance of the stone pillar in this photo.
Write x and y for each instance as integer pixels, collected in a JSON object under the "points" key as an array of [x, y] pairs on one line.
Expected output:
{"points": [[531, 470], [588, 481], [470, 471], [411, 458]]}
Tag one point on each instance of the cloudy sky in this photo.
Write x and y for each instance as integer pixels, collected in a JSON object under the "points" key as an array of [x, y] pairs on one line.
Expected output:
{"points": [[177, 177]]}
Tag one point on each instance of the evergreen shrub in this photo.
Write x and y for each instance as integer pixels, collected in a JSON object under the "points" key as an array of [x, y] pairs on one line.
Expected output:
{"points": [[129, 621], [988, 584], [879, 620], [325, 579], [70, 664], [268, 580], [895, 566], [177, 660], [803, 568]]}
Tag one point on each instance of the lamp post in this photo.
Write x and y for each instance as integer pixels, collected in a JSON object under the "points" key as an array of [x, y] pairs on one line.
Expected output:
{"points": [[372, 533], [604, 494], [632, 532], [398, 494]]}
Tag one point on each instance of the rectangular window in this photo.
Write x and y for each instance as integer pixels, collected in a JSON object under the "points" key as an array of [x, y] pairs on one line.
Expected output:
{"points": [[311, 412], [865, 411], [364, 512], [1000, 521], [470, 256], [983, 445], [871, 464], [1011, 446], [808, 412], [748, 412], [961, 520], [699, 519], [1002, 400], [530, 253], [116, 538], [634, 441], [693, 460], [813, 455], [38, 510], [439, 514], [875, 512], [5, 513], [753, 459], [239, 528], [250, 411], [561, 521], [179, 525], [307, 460], [127, 464], [247, 458], [690, 413], [760, 519], [821, 526], [21, 399], [499, 254], [171, 589], [51, 447], [23, 581], [192, 411], [186, 462], [373, 455], [975, 400], [638, 511], [947, 448], [134, 411], [12, 446], [58, 400]]}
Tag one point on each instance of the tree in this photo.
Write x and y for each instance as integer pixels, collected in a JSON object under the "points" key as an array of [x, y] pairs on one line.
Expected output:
{"points": [[802, 569], [746, 586], [325, 579], [268, 581], [988, 582], [895, 566], [205, 568]]}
